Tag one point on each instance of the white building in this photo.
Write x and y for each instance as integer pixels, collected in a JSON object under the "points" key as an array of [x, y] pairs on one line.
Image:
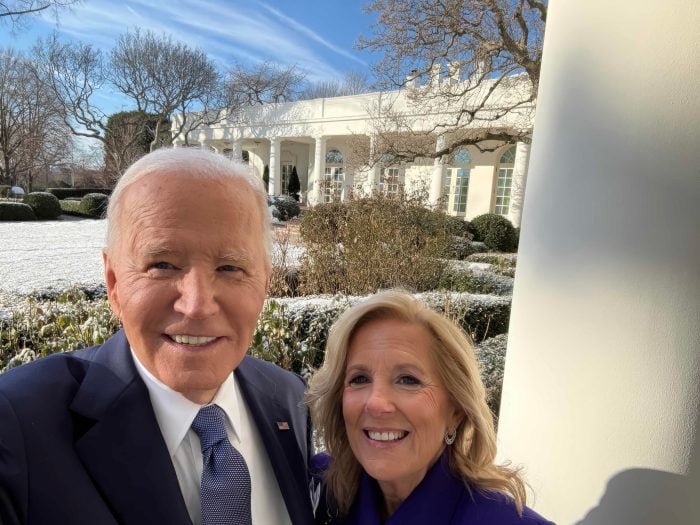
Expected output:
{"points": [[317, 137]]}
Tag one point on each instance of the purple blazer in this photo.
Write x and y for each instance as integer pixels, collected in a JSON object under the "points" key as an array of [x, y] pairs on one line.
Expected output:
{"points": [[440, 498]]}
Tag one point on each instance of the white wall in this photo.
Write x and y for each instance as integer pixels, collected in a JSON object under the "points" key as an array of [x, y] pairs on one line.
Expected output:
{"points": [[602, 380]]}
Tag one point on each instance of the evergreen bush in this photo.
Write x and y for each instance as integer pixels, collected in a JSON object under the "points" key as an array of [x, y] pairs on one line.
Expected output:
{"points": [[45, 205], [65, 193], [294, 185], [94, 205], [285, 207], [266, 178], [495, 231], [16, 211], [71, 207]]}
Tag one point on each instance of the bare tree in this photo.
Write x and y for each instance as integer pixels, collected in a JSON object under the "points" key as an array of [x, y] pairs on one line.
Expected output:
{"points": [[15, 12], [264, 83], [321, 89], [352, 83], [32, 134], [474, 62]]}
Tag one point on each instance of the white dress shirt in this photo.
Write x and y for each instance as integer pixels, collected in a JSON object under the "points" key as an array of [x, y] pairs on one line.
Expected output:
{"points": [[175, 413]]}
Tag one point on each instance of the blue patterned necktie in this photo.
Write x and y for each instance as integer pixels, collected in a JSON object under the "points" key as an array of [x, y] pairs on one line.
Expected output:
{"points": [[225, 492]]}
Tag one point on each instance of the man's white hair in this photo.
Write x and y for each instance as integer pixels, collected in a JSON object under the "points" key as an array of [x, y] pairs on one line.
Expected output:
{"points": [[173, 163]]}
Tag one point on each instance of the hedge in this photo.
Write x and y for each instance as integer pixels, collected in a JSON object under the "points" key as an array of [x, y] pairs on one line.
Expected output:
{"points": [[16, 211], [94, 205], [64, 193]]}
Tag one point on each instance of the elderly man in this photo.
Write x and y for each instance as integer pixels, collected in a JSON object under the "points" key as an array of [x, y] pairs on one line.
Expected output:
{"points": [[169, 421]]}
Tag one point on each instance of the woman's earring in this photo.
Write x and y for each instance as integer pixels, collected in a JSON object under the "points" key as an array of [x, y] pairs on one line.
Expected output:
{"points": [[450, 437]]}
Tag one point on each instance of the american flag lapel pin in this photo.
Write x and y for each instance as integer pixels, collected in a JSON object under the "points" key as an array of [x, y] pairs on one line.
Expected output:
{"points": [[282, 425]]}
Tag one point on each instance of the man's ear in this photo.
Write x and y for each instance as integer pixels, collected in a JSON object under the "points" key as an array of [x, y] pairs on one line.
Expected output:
{"points": [[111, 283]]}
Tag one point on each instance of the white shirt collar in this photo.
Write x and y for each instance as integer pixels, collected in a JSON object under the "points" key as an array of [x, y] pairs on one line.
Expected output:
{"points": [[175, 413]]}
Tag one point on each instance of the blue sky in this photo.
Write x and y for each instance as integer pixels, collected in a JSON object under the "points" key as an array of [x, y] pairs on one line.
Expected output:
{"points": [[318, 36]]}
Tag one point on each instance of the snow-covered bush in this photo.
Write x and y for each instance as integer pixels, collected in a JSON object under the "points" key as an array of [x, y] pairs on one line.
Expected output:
{"points": [[491, 356], [285, 207], [39, 327], [477, 281]]}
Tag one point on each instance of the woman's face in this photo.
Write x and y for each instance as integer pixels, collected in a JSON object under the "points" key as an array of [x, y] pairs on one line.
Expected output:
{"points": [[395, 406]]}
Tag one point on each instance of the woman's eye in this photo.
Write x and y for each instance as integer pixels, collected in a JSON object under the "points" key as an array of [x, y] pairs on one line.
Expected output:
{"points": [[228, 268], [358, 380], [409, 380]]}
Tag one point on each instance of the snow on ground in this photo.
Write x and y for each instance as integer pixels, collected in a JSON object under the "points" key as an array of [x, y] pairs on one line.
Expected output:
{"points": [[55, 255], [44, 255]]}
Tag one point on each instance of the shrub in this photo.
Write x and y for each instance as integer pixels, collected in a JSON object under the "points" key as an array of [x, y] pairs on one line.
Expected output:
{"points": [[94, 205], [360, 246], [477, 282], [495, 231], [39, 327], [285, 207], [457, 226], [294, 185], [292, 332], [64, 193], [5, 190], [45, 205], [71, 207], [16, 211], [491, 356]]}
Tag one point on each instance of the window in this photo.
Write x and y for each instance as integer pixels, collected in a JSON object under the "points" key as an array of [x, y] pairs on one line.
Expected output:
{"points": [[285, 175], [504, 182], [334, 156], [333, 184], [456, 183], [390, 181]]}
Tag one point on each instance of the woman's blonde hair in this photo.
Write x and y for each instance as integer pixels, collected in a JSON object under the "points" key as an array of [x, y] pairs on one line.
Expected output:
{"points": [[473, 452]]}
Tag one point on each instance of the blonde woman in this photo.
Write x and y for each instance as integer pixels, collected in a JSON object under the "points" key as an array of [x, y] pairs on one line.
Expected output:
{"points": [[401, 409]]}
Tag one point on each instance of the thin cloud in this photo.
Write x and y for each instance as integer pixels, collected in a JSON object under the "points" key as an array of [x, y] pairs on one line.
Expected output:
{"points": [[311, 34]]}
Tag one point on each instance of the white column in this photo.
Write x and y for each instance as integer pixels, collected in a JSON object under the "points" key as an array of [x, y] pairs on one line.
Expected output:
{"points": [[203, 144], [517, 190], [237, 150], [375, 171], [314, 191], [602, 379], [436, 181], [274, 166], [348, 186]]}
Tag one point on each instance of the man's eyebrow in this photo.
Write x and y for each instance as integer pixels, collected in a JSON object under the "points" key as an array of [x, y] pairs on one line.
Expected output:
{"points": [[152, 250], [238, 256]]}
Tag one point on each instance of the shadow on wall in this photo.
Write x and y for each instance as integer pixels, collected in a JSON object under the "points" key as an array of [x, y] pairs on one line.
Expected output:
{"points": [[646, 497]]}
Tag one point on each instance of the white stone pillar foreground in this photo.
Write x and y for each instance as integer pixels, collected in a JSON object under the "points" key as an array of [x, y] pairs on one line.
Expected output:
{"points": [[602, 380], [274, 167], [438, 176], [318, 171]]}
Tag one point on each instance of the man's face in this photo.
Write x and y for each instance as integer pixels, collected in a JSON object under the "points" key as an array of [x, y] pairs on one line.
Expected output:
{"points": [[188, 278]]}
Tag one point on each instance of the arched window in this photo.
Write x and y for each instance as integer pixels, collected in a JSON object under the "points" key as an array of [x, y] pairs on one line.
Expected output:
{"points": [[334, 178], [504, 182], [456, 183], [334, 156]]}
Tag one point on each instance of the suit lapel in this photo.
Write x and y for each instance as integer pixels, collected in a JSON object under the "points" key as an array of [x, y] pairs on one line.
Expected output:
{"points": [[281, 444], [119, 441]]}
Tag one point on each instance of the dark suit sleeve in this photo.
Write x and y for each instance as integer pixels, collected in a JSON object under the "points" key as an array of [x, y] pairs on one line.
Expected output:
{"points": [[13, 469]]}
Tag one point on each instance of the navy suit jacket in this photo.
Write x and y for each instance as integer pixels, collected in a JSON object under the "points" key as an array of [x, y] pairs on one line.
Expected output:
{"points": [[79, 441]]}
